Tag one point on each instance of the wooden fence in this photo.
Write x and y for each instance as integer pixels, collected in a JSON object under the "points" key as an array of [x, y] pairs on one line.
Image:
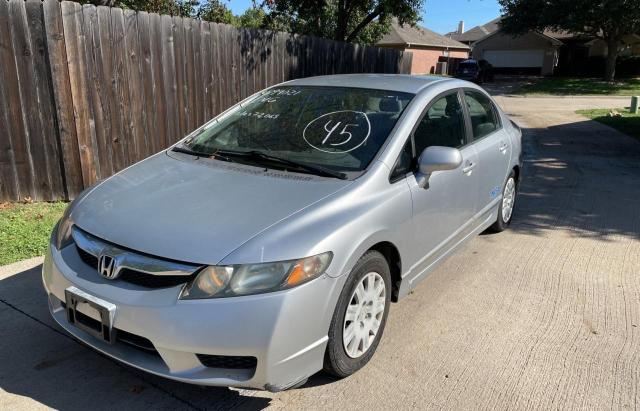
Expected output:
{"points": [[86, 91]]}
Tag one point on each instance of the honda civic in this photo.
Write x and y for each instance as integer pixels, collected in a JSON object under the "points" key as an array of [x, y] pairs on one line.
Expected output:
{"points": [[269, 243]]}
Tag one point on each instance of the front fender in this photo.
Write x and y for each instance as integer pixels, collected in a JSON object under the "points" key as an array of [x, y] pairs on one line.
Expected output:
{"points": [[347, 224]]}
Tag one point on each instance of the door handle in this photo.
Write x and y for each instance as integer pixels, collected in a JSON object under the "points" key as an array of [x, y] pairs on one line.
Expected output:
{"points": [[467, 169], [503, 147]]}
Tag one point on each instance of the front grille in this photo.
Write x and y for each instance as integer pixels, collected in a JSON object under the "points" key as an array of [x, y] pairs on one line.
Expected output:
{"points": [[152, 281], [90, 260], [136, 277], [228, 361]]}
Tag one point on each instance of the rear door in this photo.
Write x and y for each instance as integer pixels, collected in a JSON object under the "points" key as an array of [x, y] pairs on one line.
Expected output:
{"points": [[492, 144]]}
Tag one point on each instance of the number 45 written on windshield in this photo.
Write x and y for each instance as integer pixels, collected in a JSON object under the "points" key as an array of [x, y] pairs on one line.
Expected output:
{"points": [[344, 132]]}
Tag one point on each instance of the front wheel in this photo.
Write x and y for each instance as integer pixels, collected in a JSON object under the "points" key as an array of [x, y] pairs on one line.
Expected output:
{"points": [[360, 316], [505, 207]]}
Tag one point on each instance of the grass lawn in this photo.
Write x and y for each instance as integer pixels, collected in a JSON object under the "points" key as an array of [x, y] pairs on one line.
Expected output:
{"points": [[25, 229], [628, 123], [583, 86]]}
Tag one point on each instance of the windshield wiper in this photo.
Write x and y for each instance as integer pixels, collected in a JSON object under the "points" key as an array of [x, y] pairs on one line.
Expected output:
{"points": [[185, 150], [314, 169]]}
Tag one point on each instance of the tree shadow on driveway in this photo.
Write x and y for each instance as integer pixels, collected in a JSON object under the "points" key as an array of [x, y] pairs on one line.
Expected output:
{"points": [[582, 177]]}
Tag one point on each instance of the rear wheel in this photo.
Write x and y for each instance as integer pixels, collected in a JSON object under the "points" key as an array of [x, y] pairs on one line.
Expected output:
{"points": [[360, 316], [505, 207]]}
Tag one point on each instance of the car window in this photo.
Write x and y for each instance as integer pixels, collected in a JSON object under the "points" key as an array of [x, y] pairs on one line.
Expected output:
{"points": [[442, 125], [404, 163], [339, 128], [484, 120]]}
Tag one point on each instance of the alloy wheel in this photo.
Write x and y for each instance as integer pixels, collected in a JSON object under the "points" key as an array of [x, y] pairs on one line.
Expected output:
{"points": [[508, 198], [364, 315]]}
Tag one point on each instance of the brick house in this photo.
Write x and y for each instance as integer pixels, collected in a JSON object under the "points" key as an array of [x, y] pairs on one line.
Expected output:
{"points": [[426, 46]]}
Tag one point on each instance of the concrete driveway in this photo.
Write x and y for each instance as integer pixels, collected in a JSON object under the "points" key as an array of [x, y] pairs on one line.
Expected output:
{"points": [[544, 315]]}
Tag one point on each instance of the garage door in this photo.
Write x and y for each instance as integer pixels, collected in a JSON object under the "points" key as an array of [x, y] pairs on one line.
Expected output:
{"points": [[514, 58]]}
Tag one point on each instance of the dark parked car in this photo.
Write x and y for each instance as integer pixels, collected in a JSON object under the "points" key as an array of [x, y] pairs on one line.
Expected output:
{"points": [[477, 71]]}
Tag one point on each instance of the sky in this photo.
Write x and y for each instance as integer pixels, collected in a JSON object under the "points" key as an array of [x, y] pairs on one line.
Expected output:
{"points": [[441, 16]]}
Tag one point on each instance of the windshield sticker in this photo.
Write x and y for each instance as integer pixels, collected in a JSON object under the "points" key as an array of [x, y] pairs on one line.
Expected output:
{"points": [[338, 132], [271, 96], [259, 114]]}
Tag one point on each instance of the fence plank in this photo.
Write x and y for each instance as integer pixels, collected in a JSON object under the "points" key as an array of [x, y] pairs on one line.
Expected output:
{"points": [[234, 37], [199, 81], [206, 71], [8, 176], [97, 97], [134, 82], [65, 125], [46, 138], [189, 92], [190, 89], [216, 74], [112, 159], [179, 55], [74, 43], [125, 138], [226, 65], [148, 79], [27, 82], [169, 77], [245, 61], [13, 149], [222, 66], [159, 92]]}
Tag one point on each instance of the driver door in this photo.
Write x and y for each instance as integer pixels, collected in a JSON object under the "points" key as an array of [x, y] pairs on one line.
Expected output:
{"points": [[443, 213]]}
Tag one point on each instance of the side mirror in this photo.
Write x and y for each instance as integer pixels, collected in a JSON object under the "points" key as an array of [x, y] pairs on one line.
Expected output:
{"points": [[436, 158]]}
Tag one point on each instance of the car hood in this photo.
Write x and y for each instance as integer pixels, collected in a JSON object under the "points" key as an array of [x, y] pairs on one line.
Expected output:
{"points": [[194, 210]]}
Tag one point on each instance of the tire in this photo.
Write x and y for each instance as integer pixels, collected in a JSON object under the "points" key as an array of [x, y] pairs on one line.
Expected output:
{"points": [[509, 192], [343, 359]]}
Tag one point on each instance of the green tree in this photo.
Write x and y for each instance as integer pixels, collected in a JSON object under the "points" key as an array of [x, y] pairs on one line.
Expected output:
{"points": [[254, 17], [363, 21], [215, 11], [609, 20]]}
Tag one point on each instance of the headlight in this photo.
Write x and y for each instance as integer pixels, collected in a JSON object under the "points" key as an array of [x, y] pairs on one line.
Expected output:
{"points": [[63, 233], [234, 280]]}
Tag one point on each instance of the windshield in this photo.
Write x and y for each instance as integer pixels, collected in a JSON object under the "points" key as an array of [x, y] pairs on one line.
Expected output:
{"points": [[337, 128]]}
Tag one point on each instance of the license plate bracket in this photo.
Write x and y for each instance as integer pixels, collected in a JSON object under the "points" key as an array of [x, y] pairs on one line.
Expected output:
{"points": [[102, 328]]}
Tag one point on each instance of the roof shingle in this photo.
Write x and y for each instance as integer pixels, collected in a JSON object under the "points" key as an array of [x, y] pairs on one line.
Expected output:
{"points": [[478, 32], [406, 35]]}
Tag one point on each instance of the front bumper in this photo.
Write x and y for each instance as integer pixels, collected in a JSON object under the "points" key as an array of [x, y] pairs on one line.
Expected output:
{"points": [[285, 331]]}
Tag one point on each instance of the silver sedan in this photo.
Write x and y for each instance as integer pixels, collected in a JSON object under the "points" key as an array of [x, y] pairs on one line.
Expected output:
{"points": [[269, 243]]}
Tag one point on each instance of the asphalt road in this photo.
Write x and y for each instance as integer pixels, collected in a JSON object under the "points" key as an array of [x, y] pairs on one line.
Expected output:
{"points": [[544, 315]]}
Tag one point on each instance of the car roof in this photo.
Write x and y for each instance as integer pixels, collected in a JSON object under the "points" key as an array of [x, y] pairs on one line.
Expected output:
{"points": [[393, 82]]}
